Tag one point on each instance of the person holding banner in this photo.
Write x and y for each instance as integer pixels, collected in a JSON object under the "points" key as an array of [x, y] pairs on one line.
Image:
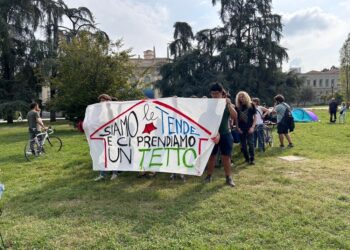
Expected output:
{"points": [[102, 175], [223, 140]]}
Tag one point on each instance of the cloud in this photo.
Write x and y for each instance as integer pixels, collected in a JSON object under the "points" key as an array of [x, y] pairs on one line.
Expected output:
{"points": [[308, 20], [313, 38], [345, 4], [140, 25]]}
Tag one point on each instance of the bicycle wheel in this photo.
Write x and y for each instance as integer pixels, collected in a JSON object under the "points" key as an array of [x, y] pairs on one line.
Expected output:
{"points": [[268, 137], [52, 144], [31, 153], [270, 142]]}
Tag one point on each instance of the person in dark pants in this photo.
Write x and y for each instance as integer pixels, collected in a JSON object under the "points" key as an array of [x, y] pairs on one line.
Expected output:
{"points": [[282, 129], [246, 117], [333, 108], [34, 125], [224, 139], [259, 130]]}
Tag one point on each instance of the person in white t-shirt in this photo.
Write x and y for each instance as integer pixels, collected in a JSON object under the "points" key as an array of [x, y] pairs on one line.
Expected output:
{"points": [[259, 128]]}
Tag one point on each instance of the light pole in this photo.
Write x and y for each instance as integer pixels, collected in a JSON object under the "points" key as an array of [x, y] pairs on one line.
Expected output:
{"points": [[332, 85]]}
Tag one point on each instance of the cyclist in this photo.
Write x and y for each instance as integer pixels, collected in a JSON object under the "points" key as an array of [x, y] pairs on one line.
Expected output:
{"points": [[34, 124]]}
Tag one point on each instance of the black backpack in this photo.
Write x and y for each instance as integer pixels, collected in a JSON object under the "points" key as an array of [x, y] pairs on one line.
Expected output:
{"points": [[287, 119]]}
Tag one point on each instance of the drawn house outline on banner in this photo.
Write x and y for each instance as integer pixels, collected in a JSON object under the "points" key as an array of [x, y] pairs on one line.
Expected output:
{"points": [[156, 102]]}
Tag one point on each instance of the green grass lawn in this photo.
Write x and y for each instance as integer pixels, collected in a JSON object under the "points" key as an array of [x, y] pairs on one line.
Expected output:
{"points": [[54, 203]]}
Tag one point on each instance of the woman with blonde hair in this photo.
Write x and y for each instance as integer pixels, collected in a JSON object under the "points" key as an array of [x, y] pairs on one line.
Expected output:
{"points": [[246, 120]]}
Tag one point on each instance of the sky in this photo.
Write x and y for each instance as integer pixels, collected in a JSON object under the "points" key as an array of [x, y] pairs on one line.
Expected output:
{"points": [[314, 30]]}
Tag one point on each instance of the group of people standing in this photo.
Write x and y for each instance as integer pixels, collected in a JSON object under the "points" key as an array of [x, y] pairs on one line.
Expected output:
{"points": [[245, 114], [248, 117]]}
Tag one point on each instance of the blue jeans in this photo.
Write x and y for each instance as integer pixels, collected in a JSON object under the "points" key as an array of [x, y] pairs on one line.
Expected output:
{"points": [[259, 137]]}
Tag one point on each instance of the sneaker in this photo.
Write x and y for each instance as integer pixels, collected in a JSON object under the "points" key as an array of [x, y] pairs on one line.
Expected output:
{"points": [[229, 181], [141, 175], [114, 176], [182, 177], [252, 162], [98, 178], [208, 179], [151, 174], [172, 177], [290, 145], [281, 146]]}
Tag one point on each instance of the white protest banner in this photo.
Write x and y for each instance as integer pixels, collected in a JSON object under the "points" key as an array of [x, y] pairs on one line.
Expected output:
{"points": [[163, 135]]}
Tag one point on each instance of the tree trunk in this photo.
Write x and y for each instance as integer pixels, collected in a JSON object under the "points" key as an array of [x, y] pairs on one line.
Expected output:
{"points": [[52, 111], [54, 68], [347, 84], [9, 118]]}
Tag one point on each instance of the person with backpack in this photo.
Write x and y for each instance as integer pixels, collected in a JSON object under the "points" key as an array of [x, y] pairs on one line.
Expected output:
{"points": [[285, 122]]}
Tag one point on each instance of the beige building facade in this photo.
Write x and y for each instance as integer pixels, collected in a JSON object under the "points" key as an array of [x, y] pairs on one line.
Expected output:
{"points": [[147, 70], [323, 83]]}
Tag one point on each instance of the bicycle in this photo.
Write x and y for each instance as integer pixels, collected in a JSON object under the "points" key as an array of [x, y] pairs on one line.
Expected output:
{"points": [[42, 143], [268, 137]]}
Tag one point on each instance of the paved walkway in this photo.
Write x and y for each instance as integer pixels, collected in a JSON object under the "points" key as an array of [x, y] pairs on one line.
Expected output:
{"points": [[25, 120]]}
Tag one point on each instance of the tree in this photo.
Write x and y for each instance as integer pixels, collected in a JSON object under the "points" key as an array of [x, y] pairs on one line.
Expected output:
{"points": [[306, 94], [244, 54], [88, 66], [345, 68], [18, 22], [22, 55], [81, 19], [183, 36]]}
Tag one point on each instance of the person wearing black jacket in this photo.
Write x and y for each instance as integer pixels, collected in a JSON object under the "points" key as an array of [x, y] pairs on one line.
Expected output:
{"points": [[333, 108], [246, 121]]}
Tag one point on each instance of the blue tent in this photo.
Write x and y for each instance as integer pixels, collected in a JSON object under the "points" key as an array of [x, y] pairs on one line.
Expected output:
{"points": [[302, 115]]}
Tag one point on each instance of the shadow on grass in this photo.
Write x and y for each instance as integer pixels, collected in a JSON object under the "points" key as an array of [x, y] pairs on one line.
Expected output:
{"points": [[15, 158], [11, 138], [146, 203], [19, 133]]}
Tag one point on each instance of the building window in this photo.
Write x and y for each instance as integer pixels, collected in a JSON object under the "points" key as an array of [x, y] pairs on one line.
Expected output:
{"points": [[327, 82], [315, 82], [308, 82], [321, 83]]}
